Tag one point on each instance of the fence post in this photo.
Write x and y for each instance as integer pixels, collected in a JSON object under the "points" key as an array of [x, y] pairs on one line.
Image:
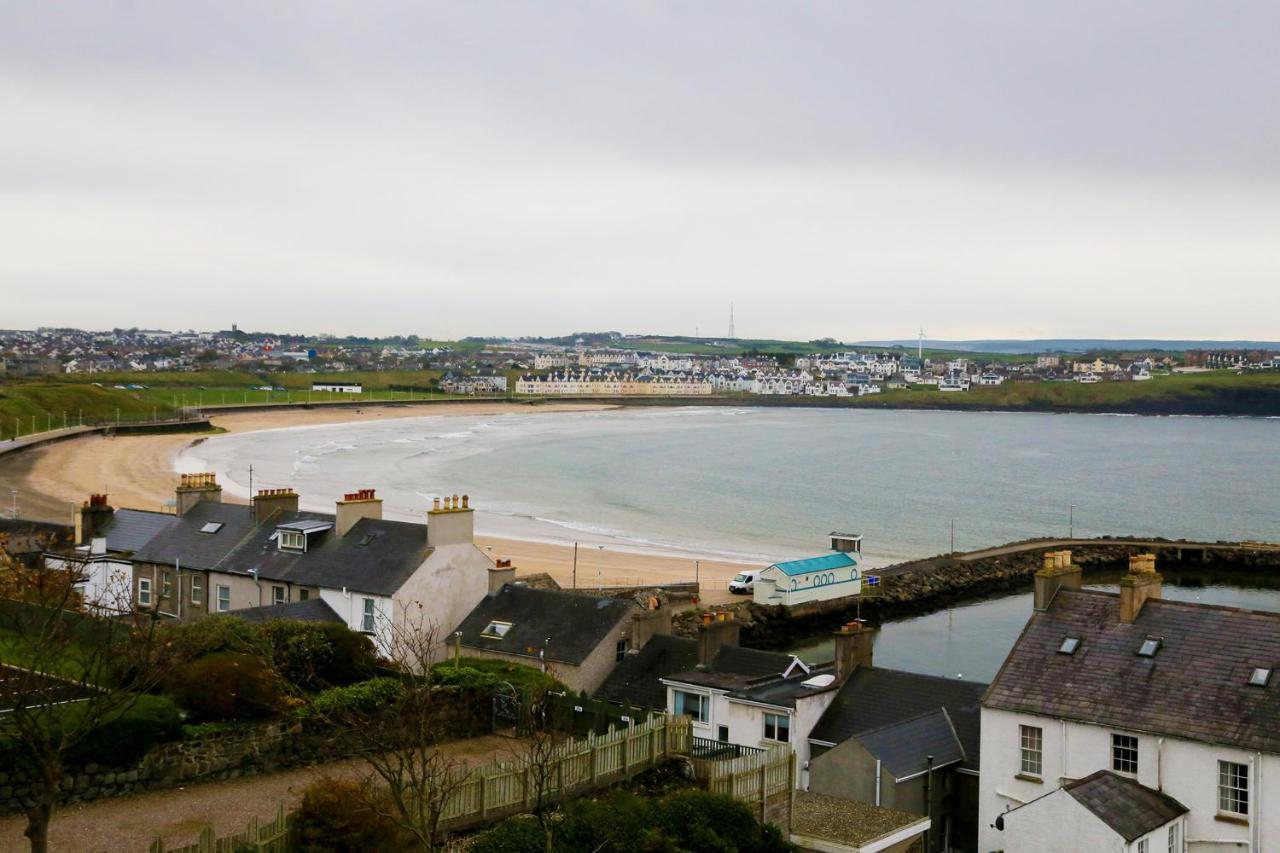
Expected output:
{"points": [[207, 841], [484, 799], [592, 763], [764, 791]]}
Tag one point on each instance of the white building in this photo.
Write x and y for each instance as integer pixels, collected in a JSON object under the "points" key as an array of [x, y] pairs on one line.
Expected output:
{"points": [[1180, 698], [824, 578], [338, 387]]}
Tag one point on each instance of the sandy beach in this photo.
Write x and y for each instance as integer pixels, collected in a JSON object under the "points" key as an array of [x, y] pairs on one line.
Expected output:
{"points": [[138, 472]]}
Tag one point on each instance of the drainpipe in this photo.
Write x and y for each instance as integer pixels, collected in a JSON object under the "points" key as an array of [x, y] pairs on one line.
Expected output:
{"points": [[1255, 822], [1159, 764], [928, 803], [877, 783]]}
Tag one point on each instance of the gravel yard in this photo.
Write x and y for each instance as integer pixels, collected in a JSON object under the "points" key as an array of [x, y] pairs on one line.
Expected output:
{"points": [[130, 824]]}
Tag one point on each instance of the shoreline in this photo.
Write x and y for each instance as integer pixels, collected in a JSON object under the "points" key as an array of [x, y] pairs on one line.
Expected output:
{"points": [[140, 472]]}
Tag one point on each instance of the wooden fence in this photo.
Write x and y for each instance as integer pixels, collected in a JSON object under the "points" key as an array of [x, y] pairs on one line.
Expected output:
{"points": [[763, 779], [257, 837], [501, 789]]}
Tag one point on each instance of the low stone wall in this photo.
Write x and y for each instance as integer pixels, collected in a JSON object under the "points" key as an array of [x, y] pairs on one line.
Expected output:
{"points": [[262, 748], [924, 586]]}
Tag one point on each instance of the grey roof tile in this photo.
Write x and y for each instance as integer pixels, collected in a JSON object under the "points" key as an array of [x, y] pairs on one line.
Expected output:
{"points": [[184, 543], [637, 677], [1129, 808], [1195, 686], [574, 624], [129, 530], [904, 748], [311, 610]]}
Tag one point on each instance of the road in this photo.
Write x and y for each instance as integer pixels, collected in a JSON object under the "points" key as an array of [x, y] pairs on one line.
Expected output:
{"points": [[130, 824]]}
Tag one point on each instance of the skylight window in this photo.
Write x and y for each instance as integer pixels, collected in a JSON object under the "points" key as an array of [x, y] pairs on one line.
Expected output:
{"points": [[1150, 646], [211, 527], [1260, 677], [496, 630], [1069, 646]]}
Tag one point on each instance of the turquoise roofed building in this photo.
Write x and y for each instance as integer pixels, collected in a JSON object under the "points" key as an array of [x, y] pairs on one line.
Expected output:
{"points": [[823, 578]]}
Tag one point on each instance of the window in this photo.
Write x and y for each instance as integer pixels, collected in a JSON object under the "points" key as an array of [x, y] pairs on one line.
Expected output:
{"points": [[1175, 838], [777, 727], [366, 623], [692, 704], [277, 595], [620, 650], [1032, 742], [1069, 646], [1150, 646], [1124, 753], [197, 589], [293, 540], [1260, 677], [496, 630], [1233, 788], [166, 585], [722, 734], [144, 591], [224, 597], [1142, 846], [304, 594]]}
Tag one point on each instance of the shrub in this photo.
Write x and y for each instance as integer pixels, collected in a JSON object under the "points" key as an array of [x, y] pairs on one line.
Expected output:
{"points": [[126, 738], [514, 835], [362, 698], [611, 825], [312, 656], [337, 816], [483, 673], [227, 686], [196, 638], [699, 820]]}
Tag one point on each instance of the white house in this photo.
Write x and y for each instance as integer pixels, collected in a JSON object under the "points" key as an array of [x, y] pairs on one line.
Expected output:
{"points": [[812, 579], [1178, 697]]}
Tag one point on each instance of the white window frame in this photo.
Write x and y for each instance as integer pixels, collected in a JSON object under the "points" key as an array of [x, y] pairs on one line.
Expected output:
{"points": [[219, 600], [197, 589], [1143, 846], [680, 701], [292, 540], [278, 595], [1175, 837], [144, 592], [166, 585], [1233, 799], [1121, 746], [777, 727], [368, 615], [1031, 750]]}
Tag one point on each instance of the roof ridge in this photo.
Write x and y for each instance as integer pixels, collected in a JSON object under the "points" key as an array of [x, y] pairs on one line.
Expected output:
{"points": [[1175, 602], [896, 723]]}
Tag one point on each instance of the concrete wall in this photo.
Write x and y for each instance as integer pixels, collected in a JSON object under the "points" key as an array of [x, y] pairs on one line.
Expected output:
{"points": [[1186, 770], [444, 589], [1059, 824]]}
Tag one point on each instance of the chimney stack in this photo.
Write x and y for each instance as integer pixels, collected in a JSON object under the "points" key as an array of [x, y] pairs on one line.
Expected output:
{"points": [[1142, 583], [92, 516], [452, 523], [501, 574], [718, 629], [855, 644], [267, 501], [194, 488], [1058, 573], [355, 506]]}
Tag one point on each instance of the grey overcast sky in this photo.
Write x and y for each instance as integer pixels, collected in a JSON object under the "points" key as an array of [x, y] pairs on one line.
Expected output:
{"points": [[1097, 168]]}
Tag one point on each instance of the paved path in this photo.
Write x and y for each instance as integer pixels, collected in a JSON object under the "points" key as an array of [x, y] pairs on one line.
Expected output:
{"points": [[130, 824]]}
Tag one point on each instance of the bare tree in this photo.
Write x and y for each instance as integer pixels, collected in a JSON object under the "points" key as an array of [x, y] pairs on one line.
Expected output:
{"points": [[411, 780], [69, 674], [542, 723]]}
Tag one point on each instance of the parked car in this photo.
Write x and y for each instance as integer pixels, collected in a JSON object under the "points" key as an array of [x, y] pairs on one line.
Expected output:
{"points": [[744, 583]]}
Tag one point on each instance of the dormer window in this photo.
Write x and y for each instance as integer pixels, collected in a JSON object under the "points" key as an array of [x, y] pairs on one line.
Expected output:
{"points": [[496, 630], [1069, 646], [1260, 677], [292, 540], [1149, 647]]}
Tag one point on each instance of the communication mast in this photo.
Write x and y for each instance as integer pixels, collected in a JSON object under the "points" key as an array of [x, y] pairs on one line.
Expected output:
{"points": [[733, 333]]}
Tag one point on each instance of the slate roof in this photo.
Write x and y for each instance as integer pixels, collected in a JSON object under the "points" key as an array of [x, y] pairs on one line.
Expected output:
{"points": [[49, 534], [311, 610], [637, 677], [838, 560], [874, 697], [1131, 809], [129, 530], [904, 748], [184, 542], [1195, 687], [376, 556], [575, 624]]}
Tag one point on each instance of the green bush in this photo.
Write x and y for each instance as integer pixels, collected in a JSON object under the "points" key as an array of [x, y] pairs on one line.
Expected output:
{"points": [[127, 737], [699, 820], [313, 656], [514, 835], [482, 673], [227, 686], [192, 639], [615, 824], [336, 816], [361, 698]]}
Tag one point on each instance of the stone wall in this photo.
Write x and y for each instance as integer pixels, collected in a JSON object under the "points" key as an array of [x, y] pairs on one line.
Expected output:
{"points": [[923, 586], [260, 748]]}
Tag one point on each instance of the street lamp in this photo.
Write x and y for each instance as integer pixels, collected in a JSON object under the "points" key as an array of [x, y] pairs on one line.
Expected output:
{"points": [[1071, 522]]}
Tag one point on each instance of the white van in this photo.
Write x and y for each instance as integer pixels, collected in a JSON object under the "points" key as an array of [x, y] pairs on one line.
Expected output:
{"points": [[744, 583]]}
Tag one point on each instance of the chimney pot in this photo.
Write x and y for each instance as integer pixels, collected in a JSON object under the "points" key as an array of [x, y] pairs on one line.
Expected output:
{"points": [[465, 501]]}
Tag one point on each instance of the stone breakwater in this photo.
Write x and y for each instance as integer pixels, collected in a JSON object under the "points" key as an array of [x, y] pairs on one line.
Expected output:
{"points": [[924, 586], [260, 748]]}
